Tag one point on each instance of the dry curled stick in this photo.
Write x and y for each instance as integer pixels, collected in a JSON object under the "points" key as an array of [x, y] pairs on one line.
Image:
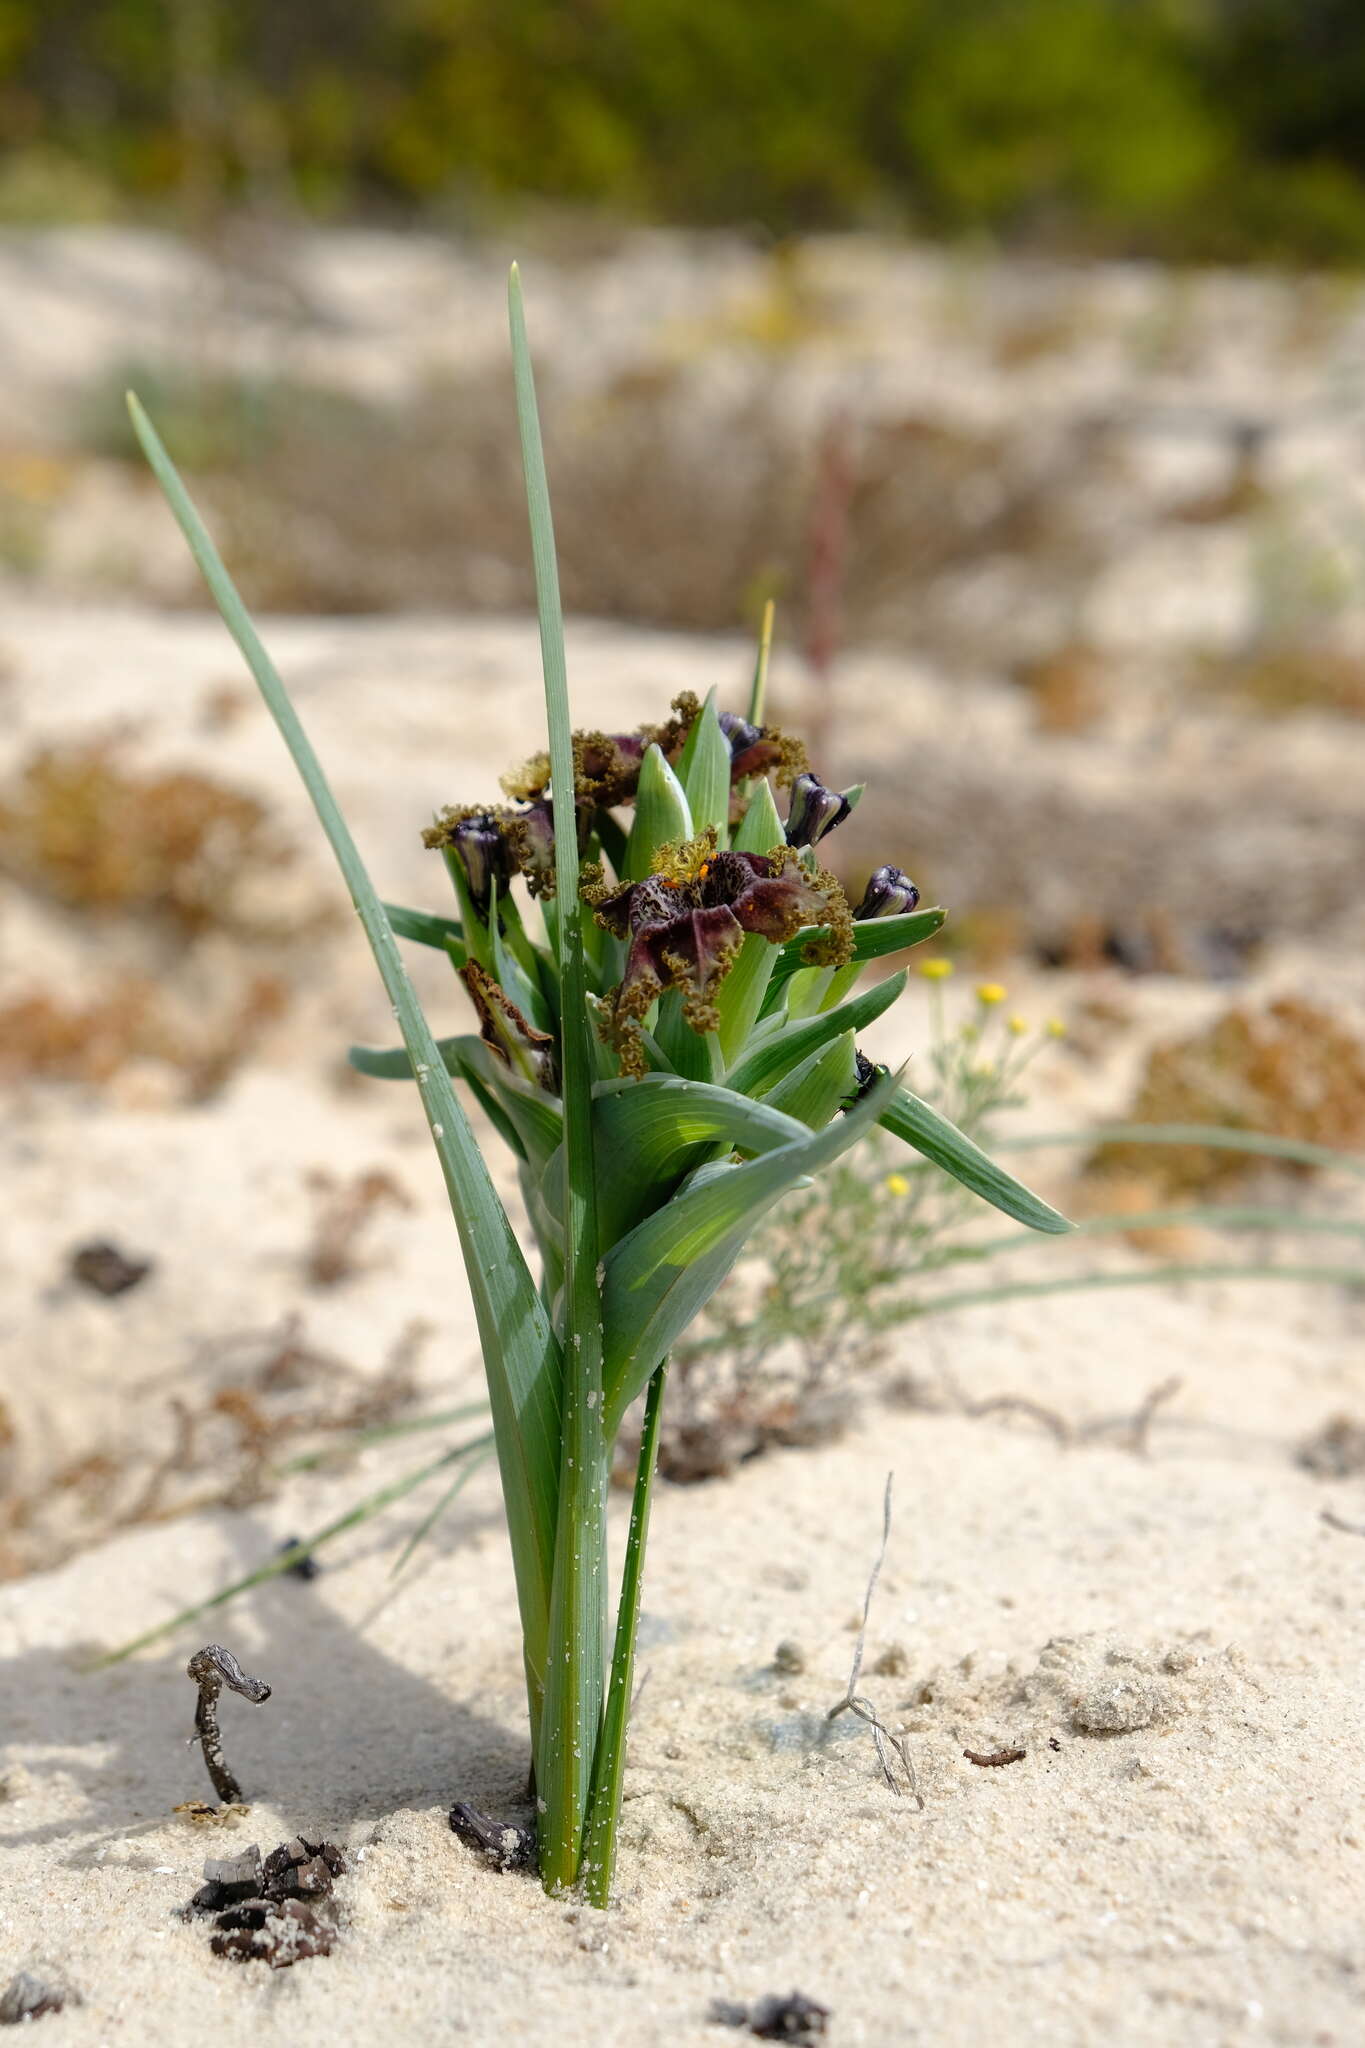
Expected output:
{"points": [[991, 1759], [211, 1668], [887, 1745]]}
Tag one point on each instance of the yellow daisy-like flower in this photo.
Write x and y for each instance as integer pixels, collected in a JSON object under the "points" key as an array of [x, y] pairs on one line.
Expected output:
{"points": [[990, 993], [1017, 1027], [1055, 1028], [935, 970], [896, 1184]]}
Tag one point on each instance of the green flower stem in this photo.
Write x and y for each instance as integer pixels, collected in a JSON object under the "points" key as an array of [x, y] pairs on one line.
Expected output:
{"points": [[604, 1812], [759, 692]]}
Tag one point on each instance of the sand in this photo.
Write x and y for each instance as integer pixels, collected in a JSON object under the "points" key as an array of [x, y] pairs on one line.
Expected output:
{"points": [[1172, 1634]]}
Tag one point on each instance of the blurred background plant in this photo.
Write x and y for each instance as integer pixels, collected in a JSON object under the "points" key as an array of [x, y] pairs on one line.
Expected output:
{"points": [[783, 1353], [1187, 128]]}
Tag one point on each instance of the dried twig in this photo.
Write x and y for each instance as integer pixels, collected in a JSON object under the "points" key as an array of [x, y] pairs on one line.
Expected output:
{"points": [[853, 1702], [991, 1759], [1336, 1521], [1139, 1429], [1019, 1404], [211, 1668]]}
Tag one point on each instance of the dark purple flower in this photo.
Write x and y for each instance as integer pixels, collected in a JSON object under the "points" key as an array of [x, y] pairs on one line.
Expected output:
{"points": [[889, 893], [685, 925], [814, 811]]}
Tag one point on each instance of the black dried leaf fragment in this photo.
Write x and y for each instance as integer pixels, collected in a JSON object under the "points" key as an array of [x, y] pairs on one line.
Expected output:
{"points": [[299, 1868], [27, 1997], [227, 1879], [275, 1931], [105, 1270], [793, 2018], [504, 1843]]}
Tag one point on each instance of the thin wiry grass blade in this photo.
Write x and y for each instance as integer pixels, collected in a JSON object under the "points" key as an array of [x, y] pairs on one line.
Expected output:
{"points": [[1151, 1276], [521, 1353], [285, 1560], [573, 1706], [442, 1507], [1200, 1216], [1215, 1137]]}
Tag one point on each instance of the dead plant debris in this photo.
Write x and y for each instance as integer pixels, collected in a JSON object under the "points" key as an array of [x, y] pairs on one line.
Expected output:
{"points": [[26, 1997], [993, 1759], [888, 1746], [259, 1392], [1337, 1450], [344, 1209], [104, 1269], [1291, 1070], [43, 1037], [774, 2018], [212, 1668], [505, 1844], [82, 826], [263, 1911]]}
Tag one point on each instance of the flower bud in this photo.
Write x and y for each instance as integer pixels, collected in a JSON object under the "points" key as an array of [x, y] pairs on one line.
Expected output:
{"points": [[814, 811], [739, 733], [889, 893], [478, 840]]}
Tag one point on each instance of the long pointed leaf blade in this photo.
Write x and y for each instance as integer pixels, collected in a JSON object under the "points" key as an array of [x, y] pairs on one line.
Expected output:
{"points": [[704, 772], [662, 813], [651, 1133], [658, 1277], [521, 1353], [935, 1138], [425, 929], [573, 1705], [762, 1068]]}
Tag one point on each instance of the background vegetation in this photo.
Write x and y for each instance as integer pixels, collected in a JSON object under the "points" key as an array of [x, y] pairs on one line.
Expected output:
{"points": [[1185, 128]]}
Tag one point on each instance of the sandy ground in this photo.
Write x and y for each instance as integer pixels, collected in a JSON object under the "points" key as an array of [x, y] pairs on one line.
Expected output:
{"points": [[1174, 1638]]}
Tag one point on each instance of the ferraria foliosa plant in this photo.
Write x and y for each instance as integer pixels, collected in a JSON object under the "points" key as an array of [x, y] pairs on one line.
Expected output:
{"points": [[663, 977]]}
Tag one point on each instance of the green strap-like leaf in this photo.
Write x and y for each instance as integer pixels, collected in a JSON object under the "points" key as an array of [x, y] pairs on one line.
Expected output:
{"points": [[578, 1614], [932, 1135], [662, 814], [420, 925], [786, 1046], [658, 1277], [652, 1133], [814, 1091], [873, 938], [521, 1353], [704, 772]]}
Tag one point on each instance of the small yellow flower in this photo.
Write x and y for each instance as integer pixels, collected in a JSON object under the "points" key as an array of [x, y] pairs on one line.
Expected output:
{"points": [[990, 993], [936, 970], [896, 1184], [1017, 1027], [1055, 1028]]}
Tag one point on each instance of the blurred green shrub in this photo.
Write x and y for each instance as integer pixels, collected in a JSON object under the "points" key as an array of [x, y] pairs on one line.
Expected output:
{"points": [[1184, 127]]}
